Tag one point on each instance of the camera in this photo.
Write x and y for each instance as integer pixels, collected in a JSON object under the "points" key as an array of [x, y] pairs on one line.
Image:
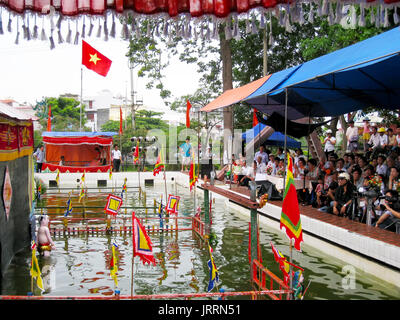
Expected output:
{"points": [[306, 171]]}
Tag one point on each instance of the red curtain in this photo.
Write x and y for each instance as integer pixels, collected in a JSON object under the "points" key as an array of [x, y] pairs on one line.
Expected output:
{"points": [[219, 8]]}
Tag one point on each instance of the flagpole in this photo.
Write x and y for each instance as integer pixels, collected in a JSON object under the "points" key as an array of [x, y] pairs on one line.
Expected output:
{"points": [[285, 174], [165, 176], [80, 111], [133, 251]]}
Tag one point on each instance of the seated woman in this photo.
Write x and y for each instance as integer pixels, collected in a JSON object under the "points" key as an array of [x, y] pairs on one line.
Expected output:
{"points": [[237, 171], [299, 169], [45, 243], [250, 174]]}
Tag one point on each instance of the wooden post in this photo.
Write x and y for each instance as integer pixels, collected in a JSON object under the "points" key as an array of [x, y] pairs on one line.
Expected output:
{"points": [[254, 228], [206, 206]]}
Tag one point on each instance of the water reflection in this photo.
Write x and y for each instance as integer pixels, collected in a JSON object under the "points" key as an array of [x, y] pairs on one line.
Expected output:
{"points": [[81, 264]]}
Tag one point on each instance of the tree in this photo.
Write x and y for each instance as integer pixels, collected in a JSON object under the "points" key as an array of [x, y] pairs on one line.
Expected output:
{"points": [[65, 113]]}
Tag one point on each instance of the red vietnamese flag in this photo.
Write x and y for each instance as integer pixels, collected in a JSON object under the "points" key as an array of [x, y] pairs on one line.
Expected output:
{"points": [[188, 106], [94, 60], [120, 120], [49, 119]]}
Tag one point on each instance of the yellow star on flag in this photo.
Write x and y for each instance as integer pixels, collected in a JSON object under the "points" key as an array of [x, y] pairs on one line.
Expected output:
{"points": [[94, 58]]}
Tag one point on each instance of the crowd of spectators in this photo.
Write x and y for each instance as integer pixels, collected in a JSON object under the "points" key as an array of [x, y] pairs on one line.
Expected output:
{"points": [[341, 185]]}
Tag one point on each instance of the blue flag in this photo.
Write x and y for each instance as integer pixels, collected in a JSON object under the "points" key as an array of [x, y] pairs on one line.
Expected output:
{"points": [[160, 210], [213, 272], [69, 207]]}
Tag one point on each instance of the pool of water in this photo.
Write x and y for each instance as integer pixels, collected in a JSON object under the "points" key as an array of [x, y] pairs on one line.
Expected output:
{"points": [[80, 263]]}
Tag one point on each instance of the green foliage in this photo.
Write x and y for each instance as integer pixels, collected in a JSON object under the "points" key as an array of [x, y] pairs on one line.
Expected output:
{"points": [[65, 113]]}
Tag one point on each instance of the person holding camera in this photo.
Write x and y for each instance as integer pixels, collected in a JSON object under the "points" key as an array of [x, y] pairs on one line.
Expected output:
{"points": [[391, 211]]}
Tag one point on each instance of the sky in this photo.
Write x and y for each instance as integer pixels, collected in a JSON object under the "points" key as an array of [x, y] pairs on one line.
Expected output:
{"points": [[30, 70]]}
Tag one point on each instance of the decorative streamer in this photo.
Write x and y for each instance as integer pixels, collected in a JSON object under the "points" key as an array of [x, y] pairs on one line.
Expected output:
{"points": [[395, 16], [60, 38], [165, 28], [324, 9], [35, 33], [377, 18], [195, 33], [281, 18], [43, 36], [386, 19], [338, 12], [311, 14], [228, 31], [254, 29], [1, 22], [28, 32], [372, 16], [301, 15], [353, 17], [125, 32], [59, 22], [17, 39], [90, 28], [69, 35], [76, 41], [112, 32], [262, 21], [361, 20], [137, 30], [52, 45], [24, 30], [83, 28], [288, 27], [9, 29], [248, 28], [330, 15], [157, 32], [99, 30], [271, 37], [105, 28], [148, 29]]}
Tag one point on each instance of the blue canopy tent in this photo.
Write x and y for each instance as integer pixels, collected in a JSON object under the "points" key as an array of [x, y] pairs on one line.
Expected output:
{"points": [[362, 75], [276, 139]]}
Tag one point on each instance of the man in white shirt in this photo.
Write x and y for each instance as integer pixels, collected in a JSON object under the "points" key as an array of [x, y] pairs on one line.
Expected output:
{"points": [[374, 139], [116, 158], [352, 137], [329, 143], [263, 154], [378, 141]]}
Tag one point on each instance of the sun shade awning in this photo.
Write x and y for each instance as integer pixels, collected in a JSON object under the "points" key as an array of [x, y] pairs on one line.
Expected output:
{"points": [[236, 95], [362, 75]]}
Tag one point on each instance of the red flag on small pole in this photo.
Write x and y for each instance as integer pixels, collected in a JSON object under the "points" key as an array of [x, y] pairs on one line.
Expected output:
{"points": [[49, 119], [188, 106]]}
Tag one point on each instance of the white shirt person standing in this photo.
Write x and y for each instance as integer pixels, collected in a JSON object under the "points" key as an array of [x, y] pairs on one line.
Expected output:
{"points": [[329, 143], [116, 158]]}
